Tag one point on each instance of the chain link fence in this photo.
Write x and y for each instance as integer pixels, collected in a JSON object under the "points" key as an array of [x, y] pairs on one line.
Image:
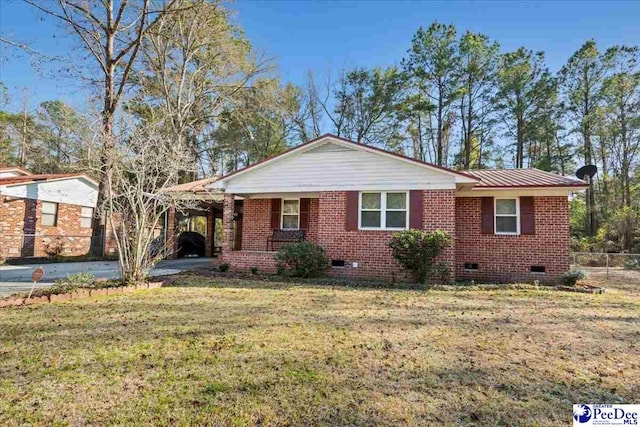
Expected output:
{"points": [[613, 266]]}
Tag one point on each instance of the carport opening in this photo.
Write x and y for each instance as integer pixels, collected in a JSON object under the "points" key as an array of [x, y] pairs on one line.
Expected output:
{"points": [[192, 235]]}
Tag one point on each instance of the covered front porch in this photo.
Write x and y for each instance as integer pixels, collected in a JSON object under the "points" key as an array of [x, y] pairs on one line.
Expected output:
{"points": [[256, 226], [328, 218]]}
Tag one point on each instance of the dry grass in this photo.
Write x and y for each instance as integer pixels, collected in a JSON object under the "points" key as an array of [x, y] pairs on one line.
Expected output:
{"points": [[242, 353]]}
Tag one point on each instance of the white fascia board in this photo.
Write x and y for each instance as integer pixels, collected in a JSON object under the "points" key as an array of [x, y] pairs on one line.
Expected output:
{"points": [[342, 187], [296, 195], [85, 178]]}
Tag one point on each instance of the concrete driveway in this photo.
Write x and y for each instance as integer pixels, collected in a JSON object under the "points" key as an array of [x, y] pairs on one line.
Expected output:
{"points": [[17, 278]]}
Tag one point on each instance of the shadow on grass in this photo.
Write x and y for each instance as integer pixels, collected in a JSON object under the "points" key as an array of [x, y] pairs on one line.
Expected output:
{"points": [[207, 279], [336, 358]]}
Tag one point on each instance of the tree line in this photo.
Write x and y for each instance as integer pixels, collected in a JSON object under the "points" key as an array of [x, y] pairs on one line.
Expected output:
{"points": [[455, 99]]}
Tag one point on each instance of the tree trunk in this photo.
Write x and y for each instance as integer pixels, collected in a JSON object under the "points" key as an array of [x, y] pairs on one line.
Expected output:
{"points": [[468, 139], [520, 143], [22, 160], [99, 222], [439, 141], [626, 180]]}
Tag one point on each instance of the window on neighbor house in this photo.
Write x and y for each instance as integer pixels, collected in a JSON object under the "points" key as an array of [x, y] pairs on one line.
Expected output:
{"points": [[290, 214], [384, 210], [507, 216], [86, 217], [49, 214]]}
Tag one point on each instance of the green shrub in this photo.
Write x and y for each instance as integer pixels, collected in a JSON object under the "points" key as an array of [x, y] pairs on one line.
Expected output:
{"points": [[632, 264], [305, 259], [254, 270], [416, 251], [572, 277], [77, 280], [69, 284], [224, 267]]}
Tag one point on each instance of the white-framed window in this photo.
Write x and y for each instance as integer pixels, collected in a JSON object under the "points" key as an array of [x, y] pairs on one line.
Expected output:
{"points": [[383, 210], [507, 215], [290, 214], [86, 217], [49, 214]]}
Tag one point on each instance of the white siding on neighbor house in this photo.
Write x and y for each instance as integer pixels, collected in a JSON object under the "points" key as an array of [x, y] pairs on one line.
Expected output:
{"points": [[74, 191], [335, 167]]}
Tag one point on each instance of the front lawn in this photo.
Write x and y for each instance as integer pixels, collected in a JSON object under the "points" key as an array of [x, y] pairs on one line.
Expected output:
{"points": [[237, 352]]}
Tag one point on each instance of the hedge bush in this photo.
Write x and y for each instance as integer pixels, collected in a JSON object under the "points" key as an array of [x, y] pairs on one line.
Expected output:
{"points": [[305, 259], [416, 250], [572, 277]]}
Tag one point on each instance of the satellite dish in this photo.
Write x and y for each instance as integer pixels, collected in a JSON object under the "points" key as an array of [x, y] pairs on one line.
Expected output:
{"points": [[586, 171]]}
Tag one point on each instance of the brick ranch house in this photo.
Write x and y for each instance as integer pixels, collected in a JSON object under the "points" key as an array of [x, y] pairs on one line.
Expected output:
{"points": [[46, 213], [349, 198]]}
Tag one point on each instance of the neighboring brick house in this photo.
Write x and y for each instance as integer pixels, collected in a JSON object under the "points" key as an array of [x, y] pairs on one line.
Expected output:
{"points": [[45, 214], [507, 225]]}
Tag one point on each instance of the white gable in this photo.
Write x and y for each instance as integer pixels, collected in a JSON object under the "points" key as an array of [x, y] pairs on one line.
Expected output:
{"points": [[333, 165], [73, 191]]}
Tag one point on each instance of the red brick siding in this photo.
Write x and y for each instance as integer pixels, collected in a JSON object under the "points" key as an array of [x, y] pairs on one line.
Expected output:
{"points": [[256, 224], [314, 207], [327, 228], [17, 228], [509, 258], [500, 258], [438, 212], [245, 260], [228, 209], [370, 248]]}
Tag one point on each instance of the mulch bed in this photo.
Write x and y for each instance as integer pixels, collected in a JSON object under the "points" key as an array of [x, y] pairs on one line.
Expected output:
{"points": [[208, 272]]}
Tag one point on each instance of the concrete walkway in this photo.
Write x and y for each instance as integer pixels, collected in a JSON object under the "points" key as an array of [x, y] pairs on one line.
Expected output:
{"points": [[17, 278]]}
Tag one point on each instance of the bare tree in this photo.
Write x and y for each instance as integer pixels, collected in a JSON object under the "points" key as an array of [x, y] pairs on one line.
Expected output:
{"points": [[193, 67], [111, 33], [310, 118], [144, 163]]}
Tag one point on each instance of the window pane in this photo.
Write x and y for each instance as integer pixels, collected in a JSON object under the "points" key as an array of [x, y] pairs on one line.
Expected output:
{"points": [[370, 200], [396, 201], [290, 207], [506, 224], [396, 219], [49, 208], [48, 219], [370, 219], [290, 222], [85, 222], [506, 206], [86, 212]]}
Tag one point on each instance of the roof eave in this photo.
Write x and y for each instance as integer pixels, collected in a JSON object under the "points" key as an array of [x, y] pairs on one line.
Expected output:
{"points": [[26, 182], [542, 186]]}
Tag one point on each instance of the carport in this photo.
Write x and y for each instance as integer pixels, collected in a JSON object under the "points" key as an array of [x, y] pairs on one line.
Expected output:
{"points": [[192, 232]]}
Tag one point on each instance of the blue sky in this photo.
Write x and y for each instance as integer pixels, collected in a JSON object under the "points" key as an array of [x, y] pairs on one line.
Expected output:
{"points": [[328, 36]]}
